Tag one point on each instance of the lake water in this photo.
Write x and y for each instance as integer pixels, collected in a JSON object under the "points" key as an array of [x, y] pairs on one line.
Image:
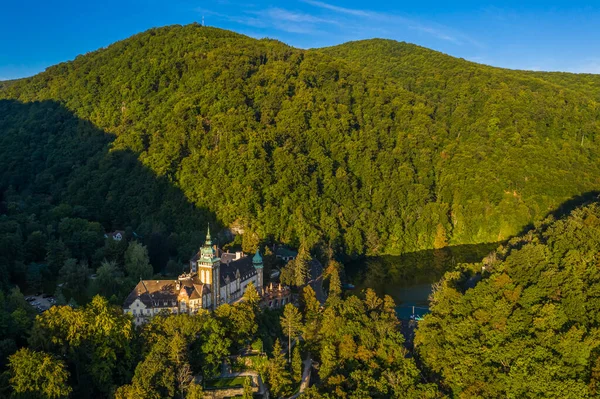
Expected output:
{"points": [[409, 278]]}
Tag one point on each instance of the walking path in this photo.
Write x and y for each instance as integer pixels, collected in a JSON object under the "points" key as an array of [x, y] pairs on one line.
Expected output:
{"points": [[305, 377], [316, 280]]}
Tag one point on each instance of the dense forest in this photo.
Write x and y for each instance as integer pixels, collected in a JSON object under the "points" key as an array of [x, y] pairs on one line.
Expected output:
{"points": [[368, 148], [527, 328], [371, 147]]}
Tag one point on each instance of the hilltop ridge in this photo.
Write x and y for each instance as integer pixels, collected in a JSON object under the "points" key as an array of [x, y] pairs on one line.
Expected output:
{"points": [[368, 147]]}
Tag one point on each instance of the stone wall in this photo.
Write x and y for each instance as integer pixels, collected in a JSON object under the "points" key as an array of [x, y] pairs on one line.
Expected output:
{"points": [[223, 393]]}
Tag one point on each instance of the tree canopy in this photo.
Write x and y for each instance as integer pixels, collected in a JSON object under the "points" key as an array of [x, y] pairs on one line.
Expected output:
{"points": [[529, 328]]}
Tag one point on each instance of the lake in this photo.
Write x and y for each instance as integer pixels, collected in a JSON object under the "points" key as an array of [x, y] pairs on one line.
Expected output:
{"points": [[408, 278]]}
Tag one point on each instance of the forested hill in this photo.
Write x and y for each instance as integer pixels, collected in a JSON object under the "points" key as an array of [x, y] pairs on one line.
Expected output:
{"points": [[373, 146], [421, 69]]}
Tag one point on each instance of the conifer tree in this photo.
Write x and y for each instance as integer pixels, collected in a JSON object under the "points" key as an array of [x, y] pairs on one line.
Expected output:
{"points": [[335, 285], [194, 391], [291, 323], [312, 315], [278, 373], [301, 267], [247, 393], [251, 295], [297, 365]]}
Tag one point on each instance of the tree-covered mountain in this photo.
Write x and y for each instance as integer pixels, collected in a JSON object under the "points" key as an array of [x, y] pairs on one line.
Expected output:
{"points": [[368, 147]]}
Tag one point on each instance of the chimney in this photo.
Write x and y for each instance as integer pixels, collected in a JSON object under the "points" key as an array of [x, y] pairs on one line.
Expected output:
{"points": [[238, 255]]}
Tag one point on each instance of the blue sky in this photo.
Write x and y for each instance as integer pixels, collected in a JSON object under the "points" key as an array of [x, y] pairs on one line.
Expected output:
{"points": [[537, 35]]}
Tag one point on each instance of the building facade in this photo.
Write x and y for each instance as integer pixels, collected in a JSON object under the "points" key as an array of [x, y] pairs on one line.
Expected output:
{"points": [[215, 278], [276, 296]]}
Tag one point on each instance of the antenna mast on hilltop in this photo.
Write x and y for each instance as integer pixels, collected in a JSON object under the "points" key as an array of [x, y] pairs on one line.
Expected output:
{"points": [[203, 20]]}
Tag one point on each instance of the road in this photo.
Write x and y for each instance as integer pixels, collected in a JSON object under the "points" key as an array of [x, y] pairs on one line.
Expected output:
{"points": [[316, 280]]}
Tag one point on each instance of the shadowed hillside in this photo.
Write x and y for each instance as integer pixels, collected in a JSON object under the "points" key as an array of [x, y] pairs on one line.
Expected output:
{"points": [[60, 180]]}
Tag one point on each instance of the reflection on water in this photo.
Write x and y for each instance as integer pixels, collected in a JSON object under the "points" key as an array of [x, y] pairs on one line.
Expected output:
{"points": [[408, 278]]}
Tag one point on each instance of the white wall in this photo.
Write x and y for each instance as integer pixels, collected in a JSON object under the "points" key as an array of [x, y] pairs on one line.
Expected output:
{"points": [[233, 286]]}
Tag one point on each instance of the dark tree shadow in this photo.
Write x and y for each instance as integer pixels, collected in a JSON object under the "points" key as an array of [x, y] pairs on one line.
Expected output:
{"points": [[52, 157]]}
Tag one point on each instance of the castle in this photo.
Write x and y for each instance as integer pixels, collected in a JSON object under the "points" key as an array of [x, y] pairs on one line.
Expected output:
{"points": [[215, 278]]}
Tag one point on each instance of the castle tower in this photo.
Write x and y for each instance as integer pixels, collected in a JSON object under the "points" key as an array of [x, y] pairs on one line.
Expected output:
{"points": [[257, 262], [209, 268]]}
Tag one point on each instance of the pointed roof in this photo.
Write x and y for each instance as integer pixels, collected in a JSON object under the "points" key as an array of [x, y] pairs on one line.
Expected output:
{"points": [[207, 252], [257, 259], [208, 241]]}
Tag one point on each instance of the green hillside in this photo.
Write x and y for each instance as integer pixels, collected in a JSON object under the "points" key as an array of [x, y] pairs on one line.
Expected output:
{"points": [[368, 147]]}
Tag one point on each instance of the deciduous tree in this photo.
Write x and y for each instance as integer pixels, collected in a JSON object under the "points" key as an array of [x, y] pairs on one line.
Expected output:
{"points": [[38, 374]]}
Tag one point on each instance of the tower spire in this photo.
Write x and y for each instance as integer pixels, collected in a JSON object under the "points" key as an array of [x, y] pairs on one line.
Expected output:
{"points": [[208, 241]]}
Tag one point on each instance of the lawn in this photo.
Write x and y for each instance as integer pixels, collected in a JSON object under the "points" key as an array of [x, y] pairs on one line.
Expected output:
{"points": [[226, 382]]}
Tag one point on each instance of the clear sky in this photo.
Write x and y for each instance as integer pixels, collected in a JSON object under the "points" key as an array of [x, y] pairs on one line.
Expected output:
{"points": [[539, 35]]}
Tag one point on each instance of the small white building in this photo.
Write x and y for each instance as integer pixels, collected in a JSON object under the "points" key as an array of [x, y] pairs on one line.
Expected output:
{"points": [[116, 235]]}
